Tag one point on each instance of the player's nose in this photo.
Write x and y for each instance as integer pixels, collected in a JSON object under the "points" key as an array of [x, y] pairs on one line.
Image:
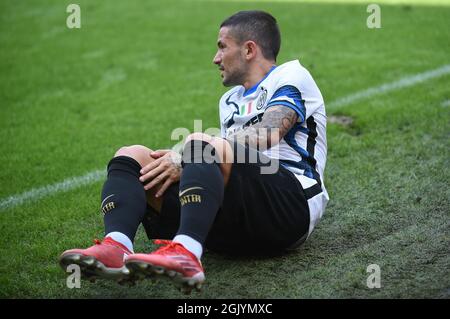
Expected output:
{"points": [[217, 59]]}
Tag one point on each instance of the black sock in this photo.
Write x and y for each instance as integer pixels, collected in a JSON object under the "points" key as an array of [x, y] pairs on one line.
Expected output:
{"points": [[201, 190], [124, 201]]}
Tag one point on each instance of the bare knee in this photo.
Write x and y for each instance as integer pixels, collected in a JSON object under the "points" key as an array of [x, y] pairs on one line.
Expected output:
{"points": [[222, 146], [132, 150], [139, 153], [198, 136], [223, 150]]}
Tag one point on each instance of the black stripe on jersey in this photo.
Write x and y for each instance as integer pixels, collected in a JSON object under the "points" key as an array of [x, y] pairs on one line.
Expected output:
{"points": [[308, 163], [310, 146], [312, 191], [311, 143]]}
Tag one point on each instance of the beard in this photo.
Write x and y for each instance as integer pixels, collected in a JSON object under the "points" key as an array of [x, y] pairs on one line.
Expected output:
{"points": [[236, 76]]}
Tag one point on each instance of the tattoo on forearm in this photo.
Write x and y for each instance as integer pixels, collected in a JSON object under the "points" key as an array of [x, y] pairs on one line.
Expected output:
{"points": [[276, 122], [280, 117]]}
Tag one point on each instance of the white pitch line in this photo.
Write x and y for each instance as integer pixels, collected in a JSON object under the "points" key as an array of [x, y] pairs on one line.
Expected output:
{"points": [[41, 192], [396, 85], [92, 177]]}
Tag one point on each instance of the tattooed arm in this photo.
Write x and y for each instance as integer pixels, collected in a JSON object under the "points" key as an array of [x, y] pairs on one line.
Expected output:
{"points": [[276, 122]]}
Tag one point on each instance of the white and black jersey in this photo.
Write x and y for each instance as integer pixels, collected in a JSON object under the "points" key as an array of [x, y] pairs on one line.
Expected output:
{"points": [[303, 149]]}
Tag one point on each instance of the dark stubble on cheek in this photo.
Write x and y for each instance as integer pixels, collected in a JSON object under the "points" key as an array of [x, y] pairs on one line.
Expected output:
{"points": [[236, 77]]}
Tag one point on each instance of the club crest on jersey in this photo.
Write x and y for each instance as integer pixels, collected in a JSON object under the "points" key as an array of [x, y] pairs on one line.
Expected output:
{"points": [[261, 99]]}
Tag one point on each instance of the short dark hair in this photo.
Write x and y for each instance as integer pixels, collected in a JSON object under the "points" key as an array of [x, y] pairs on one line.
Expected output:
{"points": [[258, 26]]}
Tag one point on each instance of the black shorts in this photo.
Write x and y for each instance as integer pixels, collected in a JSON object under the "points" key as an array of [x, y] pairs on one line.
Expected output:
{"points": [[260, 213]]}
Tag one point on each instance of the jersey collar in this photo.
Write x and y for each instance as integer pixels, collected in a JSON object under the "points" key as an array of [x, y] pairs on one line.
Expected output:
{"points": [[254, 87]]}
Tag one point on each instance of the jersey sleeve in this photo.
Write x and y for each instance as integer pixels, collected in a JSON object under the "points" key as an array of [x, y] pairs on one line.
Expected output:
{"points": [[295, 88], [288, 95]]}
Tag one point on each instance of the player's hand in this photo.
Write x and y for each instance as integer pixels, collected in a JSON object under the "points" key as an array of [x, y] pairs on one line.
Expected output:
{"points": [[164, 170], [159, 153]]}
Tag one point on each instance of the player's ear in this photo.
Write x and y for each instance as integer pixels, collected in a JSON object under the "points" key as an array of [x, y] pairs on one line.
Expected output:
{"points": [[250, 49]]}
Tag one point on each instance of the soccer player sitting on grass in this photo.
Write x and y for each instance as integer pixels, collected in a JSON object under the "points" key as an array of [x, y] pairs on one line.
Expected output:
{"points": [[221, 193]]}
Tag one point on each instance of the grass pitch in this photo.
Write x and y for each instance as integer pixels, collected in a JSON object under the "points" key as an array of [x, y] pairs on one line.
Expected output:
{"points": [[138, 69]]}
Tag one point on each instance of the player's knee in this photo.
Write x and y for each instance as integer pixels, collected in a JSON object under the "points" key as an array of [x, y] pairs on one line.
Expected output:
{"points": [[221, 147], [216, 142], [138, 152], [198, 136], [223, 153], [125, 151], [212, 141]]}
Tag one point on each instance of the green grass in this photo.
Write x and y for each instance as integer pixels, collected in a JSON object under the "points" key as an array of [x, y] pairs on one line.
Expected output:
{"points": [[138, 69], [363, 2]]}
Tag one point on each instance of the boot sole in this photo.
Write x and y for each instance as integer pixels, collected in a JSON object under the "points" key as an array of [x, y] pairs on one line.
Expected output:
{"points": [[93, 269], [140, 270]]}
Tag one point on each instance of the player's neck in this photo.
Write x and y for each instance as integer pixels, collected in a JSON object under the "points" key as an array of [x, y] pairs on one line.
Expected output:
{"points": [[257, 73]]}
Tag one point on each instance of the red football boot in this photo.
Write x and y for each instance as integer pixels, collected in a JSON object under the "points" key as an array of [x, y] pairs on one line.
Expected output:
{"points": [[172, 260], [103, 260]]}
